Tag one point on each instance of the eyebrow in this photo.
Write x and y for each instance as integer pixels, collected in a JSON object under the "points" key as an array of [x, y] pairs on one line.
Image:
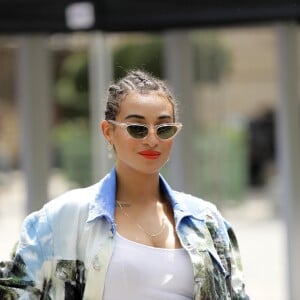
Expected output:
{"points": [[134, 116], [143, 118]]}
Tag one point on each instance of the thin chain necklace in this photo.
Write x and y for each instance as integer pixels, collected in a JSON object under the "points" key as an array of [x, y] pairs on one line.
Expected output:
{"points": [[163, 226]]}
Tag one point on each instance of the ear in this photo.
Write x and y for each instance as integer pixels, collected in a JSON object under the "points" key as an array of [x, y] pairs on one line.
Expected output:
{"points": [[106, 129]]}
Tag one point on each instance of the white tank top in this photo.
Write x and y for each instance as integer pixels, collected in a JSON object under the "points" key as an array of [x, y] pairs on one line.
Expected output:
{"points": [[140, 272]]}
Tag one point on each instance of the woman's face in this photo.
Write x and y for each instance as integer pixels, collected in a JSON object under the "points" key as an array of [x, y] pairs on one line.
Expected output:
{"points": [[146, 155]]}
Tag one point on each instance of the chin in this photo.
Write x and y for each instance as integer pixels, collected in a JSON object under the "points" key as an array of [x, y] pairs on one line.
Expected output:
{"points": [[148, 170], [152, 171]]}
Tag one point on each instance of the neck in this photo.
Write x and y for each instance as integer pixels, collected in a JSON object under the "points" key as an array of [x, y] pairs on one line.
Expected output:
{"points": [[133, 186]]}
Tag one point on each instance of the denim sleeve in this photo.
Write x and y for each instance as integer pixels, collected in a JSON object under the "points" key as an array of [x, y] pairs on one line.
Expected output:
{"points": [[35, 244], [18, 277], [235, 280]]}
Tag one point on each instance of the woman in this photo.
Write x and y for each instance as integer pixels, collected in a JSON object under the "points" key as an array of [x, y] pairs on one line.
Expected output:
{"points": [[130, 236]]}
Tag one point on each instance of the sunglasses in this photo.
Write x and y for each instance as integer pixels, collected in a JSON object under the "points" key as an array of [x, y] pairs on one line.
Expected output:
{"points": [[164, 131]]}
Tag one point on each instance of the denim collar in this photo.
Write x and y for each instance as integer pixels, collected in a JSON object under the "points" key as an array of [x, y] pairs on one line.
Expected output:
{"points": [[103, 204]]}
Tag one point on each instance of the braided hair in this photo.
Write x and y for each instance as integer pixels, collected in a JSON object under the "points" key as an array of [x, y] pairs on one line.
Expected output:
{"points": [[139, 82]]}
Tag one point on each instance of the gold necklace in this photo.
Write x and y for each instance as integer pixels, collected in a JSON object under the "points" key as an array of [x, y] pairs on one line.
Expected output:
{"points": [[163, 225]]}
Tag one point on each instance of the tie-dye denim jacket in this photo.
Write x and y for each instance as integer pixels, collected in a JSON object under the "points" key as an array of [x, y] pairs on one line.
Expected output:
{"points": [[65, 248]]}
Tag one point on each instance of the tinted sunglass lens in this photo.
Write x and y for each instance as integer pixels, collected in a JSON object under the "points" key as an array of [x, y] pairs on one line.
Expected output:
{"points": [[166, 132], [137, 131]]}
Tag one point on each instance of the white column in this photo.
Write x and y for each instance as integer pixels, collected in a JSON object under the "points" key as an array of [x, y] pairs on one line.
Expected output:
{"points": [[288, 136], [33, 93], [100, 75], [179, 72]]}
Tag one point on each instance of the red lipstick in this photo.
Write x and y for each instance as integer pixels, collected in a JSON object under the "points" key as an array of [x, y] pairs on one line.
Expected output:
{"points": [[150, 154]]}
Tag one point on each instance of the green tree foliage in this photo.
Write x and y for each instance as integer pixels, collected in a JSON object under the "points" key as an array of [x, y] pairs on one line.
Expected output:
{"points": [[212, 59], [71, 87], [136, 55]]}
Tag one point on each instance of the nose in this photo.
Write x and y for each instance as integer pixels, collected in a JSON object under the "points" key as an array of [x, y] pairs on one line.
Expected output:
{"points": [[151, 139]]}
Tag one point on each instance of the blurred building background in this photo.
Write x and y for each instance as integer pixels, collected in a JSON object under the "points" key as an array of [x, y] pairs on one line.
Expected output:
{"points": [[233, 106], [234, 103]]}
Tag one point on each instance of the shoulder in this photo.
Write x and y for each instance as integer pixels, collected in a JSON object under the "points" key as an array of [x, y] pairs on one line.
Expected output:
{"points": [[201, 209], [205, 213], [193, 203], [67, 207], [46, 229], [186, 202], [73, 200]]}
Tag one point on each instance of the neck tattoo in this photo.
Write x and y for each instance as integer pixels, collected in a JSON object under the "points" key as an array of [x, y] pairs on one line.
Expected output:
{"points": [[140, 227]]}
